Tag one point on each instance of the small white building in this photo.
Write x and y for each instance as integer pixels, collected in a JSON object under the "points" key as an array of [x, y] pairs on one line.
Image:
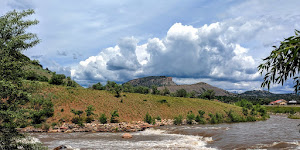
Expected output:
{"points": [[292, 102]]}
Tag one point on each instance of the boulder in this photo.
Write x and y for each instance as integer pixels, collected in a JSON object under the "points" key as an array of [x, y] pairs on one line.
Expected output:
{"points": [[127, 136]]}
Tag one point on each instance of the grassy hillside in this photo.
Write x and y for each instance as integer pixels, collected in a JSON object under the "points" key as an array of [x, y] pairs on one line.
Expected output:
{"points": [[131, 106]]}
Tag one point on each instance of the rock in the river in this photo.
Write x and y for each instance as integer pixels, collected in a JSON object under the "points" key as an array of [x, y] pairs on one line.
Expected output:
{"points": [[64, 147], [127, 136]]}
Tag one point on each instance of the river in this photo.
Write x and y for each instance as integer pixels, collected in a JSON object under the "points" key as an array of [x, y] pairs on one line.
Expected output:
{"points": [[278, 132]]}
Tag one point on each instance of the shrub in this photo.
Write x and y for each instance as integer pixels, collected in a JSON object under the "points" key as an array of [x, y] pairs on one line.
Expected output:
{"points": [[98, 86], [158, 118], [70, 82], [46, 126], [253, 112], [76, 112], [201, 113], [251, 118], [200, 117], [77, 120], [62, 110], [148, 118], [113, 119], [209, 94], [155, 91], [89, 110], [166, 91], [163, 101], [88, 119], [103, 119], [213, 119], [245, 111], [53, 124], [181, 93], [219, 118], [190, 117], [233, 117], [57, 79], [127, 87], [200, 120], [141, 90], [42, 109], [118, 90], [178, 120]]}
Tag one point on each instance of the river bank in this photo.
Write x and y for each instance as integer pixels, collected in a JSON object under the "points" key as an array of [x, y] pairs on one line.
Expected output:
{"points": [[95, 126]]}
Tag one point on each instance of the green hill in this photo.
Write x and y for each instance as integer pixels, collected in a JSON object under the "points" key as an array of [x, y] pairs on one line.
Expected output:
{"points": [[131, 106]]}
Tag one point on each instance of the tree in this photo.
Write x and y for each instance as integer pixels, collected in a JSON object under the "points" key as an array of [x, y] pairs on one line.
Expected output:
{"points": [[76, 112], [57, 79], [127, 87], [154, 89], [118, 90], [209, 94], [98, 86], [89, 110], [283, 63], [13, 40], [113, 119], [103, 119], [148, 118], [166, 91], [181, 93]]}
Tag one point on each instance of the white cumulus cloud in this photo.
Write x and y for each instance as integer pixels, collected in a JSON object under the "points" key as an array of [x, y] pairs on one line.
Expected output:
{"points": [[185, 52]]}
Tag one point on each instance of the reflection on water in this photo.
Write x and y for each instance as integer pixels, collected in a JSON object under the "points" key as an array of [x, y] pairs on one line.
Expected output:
{"points": [[278, 132]]}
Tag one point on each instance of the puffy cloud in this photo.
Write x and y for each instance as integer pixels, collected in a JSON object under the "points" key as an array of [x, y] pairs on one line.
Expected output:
{"points": [[185, 52], [119, 63], [199, 52], [127, 59]]}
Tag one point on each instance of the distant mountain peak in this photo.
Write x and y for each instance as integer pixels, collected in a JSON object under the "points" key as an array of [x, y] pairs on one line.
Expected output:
{"points": [[152, 80], [163, 82]]}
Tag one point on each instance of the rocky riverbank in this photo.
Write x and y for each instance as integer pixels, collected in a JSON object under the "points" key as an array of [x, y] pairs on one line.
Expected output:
{"points": [[98, 127]]}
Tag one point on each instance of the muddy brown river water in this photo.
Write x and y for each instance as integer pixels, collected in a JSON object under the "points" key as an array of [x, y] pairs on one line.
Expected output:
{"points": [[278, 132]]}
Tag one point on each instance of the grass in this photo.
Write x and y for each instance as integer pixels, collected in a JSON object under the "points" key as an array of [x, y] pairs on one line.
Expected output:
{"points": [[283, 109], [294, 116], [133, 108]]}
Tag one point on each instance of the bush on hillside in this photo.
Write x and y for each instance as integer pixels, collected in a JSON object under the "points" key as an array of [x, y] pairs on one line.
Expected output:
{"points": [[209, 94], [190, 117], [141, 90], [113, 119], [155, 91], [57, 79], [98, 86], [127, 87], [103, 119], [166, 91], [148, 118], [70, 82], [178, 120], [158, 118], [181, 93]]}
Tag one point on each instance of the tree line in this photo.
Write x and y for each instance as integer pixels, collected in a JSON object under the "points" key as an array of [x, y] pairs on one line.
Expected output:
{"points": [[127, 87]]}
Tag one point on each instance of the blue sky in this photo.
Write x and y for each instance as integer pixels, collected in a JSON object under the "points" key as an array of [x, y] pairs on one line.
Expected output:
{"points": [[220, 42]]}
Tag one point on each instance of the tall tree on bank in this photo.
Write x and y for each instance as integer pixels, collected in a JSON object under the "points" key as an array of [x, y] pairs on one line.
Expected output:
{"points": [[283, 63], [13, 40]]}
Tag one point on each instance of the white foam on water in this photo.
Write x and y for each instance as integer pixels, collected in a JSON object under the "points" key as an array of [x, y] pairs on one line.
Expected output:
{"points": [[29, 140], [265, 146], [176, 141], [154, 139], [151, 131], [206, 128]]}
